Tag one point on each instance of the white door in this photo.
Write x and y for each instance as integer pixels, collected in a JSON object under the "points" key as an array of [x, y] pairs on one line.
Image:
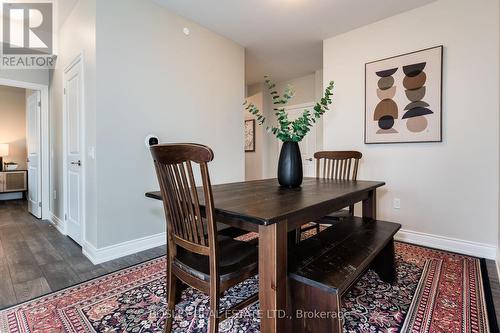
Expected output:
{"points": [[33, 115], [73, 143], [308, 145]]}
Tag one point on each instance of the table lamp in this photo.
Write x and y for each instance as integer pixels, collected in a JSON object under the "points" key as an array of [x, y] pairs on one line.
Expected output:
{"points": [[4, 151]]}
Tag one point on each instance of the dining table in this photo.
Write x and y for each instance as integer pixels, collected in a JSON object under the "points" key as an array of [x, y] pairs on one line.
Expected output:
{"points": [[273, 211]]}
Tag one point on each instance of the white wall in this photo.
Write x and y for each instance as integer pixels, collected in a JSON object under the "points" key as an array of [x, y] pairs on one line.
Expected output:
{"points": [[155, 79], [304, 87], [254, 161], [76, 36], [450, 188], [498, 244], [13, 124]]}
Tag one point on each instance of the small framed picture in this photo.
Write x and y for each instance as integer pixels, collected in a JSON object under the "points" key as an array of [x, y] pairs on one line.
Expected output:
{"points": [[249, 135], [403, 97]]}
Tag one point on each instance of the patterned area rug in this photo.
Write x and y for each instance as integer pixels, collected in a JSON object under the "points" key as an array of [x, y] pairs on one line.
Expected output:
{"points": [[436, 291]]}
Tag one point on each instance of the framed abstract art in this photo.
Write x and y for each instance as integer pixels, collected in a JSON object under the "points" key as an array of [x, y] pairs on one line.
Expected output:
{"points": [[249, 135], [403, 98]]}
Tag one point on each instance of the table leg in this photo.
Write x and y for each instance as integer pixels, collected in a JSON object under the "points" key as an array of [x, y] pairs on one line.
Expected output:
{"points": [[370, 205], [273, 277]]}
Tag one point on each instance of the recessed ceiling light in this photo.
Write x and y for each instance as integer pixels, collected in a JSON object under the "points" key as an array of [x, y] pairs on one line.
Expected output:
{"points": [[186, 31]]}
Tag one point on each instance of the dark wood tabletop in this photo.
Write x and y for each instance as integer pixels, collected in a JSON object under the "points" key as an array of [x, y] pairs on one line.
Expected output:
{"points": [[275, 212], [264, 202]]}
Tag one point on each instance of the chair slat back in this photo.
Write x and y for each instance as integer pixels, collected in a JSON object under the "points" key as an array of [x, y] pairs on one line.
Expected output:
{"points": [[185, 224], [337, 165]]}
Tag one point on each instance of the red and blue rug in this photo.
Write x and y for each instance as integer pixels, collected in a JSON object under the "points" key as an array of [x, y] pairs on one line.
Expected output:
{"points": [[437, 291]]}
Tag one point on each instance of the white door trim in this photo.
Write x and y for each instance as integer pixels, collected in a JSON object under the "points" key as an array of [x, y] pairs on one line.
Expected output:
{"points": [[78, 61], [45, 138], [34, 207]]}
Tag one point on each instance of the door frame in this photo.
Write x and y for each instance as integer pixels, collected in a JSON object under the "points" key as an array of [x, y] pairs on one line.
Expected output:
{"points": [[36, 94], [77, 61], [45, 164]]}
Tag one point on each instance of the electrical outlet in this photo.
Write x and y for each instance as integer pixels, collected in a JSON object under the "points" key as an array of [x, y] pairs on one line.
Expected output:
{"points": [[54, 194], [396, 203], [91, 153]]}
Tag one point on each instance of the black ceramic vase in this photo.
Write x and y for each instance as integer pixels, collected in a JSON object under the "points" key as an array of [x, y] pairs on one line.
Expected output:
{"points": [[290, 165]]}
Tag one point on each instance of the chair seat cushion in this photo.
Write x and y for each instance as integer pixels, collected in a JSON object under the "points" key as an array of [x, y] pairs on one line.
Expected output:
{"points": [[235, 258]]}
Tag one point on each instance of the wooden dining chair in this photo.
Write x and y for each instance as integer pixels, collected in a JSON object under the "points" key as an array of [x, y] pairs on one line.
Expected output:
{"points": [[335, 165], [197, 255]]}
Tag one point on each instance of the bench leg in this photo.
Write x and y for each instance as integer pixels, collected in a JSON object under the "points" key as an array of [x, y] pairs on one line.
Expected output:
{"points": [[314, 310], [385, 264]]}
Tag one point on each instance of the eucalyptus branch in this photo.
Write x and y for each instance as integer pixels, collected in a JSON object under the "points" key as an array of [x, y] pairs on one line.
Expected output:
{"points": [[288, 94], [291, 130]]}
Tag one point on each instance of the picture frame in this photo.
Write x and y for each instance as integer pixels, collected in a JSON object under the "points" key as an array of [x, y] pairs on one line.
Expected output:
{"points": [[403, 98], [250, 135]]}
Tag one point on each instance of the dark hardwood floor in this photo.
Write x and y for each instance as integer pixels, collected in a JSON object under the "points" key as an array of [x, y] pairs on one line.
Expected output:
{"points": [[36, 259], [495, 286]]}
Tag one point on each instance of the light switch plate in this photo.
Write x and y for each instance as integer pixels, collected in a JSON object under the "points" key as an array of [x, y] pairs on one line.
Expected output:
{"points": [[397, 203]]}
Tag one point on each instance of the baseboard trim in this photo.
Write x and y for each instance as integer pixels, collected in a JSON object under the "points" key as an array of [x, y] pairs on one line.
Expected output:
{"points": [[58, 224], [100, 255], [480, 250], [497, 261], [11, 196]]}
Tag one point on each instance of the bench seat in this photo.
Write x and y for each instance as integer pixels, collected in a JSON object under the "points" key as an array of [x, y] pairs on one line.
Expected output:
{"points": [[325, 266]]}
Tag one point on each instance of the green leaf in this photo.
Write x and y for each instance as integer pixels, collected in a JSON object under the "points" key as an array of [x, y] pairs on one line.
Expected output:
{"points": [[296, 130]]}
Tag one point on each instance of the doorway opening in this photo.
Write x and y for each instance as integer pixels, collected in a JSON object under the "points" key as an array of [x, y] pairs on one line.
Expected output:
{"points": [[262, 161], [24, 145]]}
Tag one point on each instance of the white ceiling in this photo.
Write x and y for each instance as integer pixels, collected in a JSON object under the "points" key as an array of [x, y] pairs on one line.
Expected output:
{"points": [[283, 38]]}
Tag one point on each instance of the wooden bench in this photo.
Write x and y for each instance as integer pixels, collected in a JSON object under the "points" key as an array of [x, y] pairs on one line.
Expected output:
{"points": [[324, 267]]}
